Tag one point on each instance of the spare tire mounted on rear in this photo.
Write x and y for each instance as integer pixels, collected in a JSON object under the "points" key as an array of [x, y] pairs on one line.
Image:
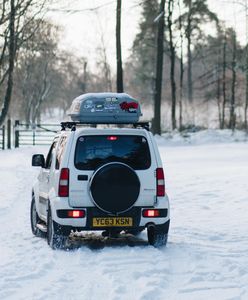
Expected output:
{"points": [[114, 187]]}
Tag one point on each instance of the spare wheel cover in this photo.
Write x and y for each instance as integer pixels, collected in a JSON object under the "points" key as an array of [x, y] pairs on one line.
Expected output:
{"points": [[115, 187]]}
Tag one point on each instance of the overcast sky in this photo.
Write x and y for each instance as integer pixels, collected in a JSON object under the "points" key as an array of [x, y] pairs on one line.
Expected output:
{"points": [[87, 27], [233, 13]]}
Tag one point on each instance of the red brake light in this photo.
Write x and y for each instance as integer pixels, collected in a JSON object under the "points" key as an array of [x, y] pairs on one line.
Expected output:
{"points": [[151, 213], [76, 213], [160, 182], [64, 183], [112, 138]]}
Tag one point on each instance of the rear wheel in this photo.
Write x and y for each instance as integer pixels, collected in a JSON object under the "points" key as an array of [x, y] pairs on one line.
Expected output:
{"points": [[55, 239], [158, 235], [35, 219]]}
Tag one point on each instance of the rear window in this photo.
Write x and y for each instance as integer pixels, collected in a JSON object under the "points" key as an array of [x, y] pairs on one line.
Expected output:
{"points": [[94, 151]]}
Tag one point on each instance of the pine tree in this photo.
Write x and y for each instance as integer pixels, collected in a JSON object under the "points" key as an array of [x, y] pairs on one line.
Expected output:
{"points": [[144, 50], [197, 13]]}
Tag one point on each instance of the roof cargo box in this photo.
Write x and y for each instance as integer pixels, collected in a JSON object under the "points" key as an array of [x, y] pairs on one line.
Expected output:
{"points": [[105, 108]]}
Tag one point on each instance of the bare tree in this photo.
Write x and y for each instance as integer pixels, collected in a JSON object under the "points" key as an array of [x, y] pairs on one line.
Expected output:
{"points": [[119, 82], [13, 21], [11, 60], [105, 65], [189, 53], [224, 63], [159, 69], [218, 94], [246, 90], [172, 68], [181, 70], [232, 122], [102, 62], [36, 66]]}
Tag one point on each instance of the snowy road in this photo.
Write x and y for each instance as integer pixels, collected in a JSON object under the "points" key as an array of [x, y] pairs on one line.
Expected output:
{"points": [[206, 256]]}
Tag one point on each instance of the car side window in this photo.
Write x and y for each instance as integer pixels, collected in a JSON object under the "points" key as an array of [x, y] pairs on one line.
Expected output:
{"points": [[60, 151], [50, 156]]}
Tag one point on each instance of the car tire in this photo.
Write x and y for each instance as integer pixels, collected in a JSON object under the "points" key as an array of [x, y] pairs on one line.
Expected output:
{"points": [[158, 235], [35, 219], [54, 238]]}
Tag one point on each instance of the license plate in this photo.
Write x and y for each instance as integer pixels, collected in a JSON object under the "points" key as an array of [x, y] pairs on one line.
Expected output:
{"points": [[113, 222]]}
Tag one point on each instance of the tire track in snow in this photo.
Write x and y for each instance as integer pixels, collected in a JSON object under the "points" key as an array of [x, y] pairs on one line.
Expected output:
{"points": [[206, 257]]}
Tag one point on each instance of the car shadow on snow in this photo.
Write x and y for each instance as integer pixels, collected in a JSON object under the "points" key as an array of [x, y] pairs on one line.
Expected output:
{"points": [[95, 241]]}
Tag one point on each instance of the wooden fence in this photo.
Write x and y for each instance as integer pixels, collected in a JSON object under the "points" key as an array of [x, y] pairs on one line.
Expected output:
{"points": [[34, 134]]}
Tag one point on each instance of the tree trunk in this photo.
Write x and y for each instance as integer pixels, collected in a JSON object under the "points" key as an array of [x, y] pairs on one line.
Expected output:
{"points": [[189, 54], [218, 94], [224, 84], [232, 122], [246, 73], [40, 98], [28, 114], [172, 69], [11, 62], [159, 71], [119, 83], [106, 67], [246, 90], [85, 77], [181, 71]]}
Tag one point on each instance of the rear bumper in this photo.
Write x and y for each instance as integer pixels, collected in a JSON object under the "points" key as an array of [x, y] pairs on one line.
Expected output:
{"points": [[67, 229], [80, 224]]}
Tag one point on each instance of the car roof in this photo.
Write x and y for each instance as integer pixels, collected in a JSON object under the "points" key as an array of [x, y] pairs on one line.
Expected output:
{"points": [[104, 131]]}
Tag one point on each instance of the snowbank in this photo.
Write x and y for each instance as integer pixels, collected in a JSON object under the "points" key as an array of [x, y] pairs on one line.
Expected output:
{"points": [[206, 256], [210, 136]]}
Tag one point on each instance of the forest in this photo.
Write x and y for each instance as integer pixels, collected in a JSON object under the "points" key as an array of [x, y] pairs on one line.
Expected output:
{"points": [[186, 66]]}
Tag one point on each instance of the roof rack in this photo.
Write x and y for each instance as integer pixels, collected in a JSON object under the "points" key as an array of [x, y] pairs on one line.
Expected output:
{"points": [[73, 125]]}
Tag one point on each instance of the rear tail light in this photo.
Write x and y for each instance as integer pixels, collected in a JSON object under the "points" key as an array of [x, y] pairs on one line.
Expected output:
{"points": [[155, 213], [160, 182], [71, 213], [76, 213], [64, 183], [150, 213]]}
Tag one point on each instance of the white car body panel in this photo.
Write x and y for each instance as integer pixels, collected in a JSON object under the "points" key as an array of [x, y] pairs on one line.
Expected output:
{"points": [[47, 183]]}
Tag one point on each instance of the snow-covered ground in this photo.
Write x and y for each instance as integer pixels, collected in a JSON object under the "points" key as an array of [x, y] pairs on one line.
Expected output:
{"points": [[206, 256]]}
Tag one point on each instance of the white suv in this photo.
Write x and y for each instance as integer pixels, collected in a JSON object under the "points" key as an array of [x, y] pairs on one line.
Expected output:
{"points": [[109, 179]]}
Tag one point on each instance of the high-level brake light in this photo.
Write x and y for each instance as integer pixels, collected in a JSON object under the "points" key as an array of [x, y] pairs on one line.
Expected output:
{"points": [[112, 138]]}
